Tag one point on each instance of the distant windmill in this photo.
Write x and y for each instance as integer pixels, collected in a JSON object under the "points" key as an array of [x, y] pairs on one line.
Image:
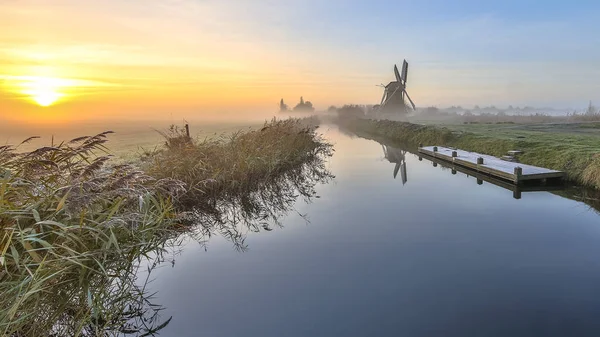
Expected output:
{"points": [[393, 100]]}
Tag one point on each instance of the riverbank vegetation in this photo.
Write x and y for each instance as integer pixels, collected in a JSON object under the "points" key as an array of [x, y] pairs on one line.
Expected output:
{"points": [[575, 153], [75, 228]]}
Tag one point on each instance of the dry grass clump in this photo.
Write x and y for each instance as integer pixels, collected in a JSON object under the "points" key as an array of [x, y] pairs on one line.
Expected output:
{"points": [[71, 229], [226, 167]]}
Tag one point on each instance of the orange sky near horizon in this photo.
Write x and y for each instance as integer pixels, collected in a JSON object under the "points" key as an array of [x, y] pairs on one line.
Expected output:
{"points": [[117, 58], [217, 59]]}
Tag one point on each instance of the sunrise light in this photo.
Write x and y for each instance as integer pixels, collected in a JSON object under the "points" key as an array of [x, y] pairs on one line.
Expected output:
{"points": [[44, 91]]}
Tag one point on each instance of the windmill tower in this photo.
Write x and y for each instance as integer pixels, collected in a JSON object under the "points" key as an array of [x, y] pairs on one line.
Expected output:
{"points": [[393, 102]]}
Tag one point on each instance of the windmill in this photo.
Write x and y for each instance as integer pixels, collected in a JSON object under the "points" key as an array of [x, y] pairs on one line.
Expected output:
{"points": [[398, 157], [395, 95]]}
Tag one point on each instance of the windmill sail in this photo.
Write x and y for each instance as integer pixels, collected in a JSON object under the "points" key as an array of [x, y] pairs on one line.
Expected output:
{"points": [[398, 78], [404, 71]]}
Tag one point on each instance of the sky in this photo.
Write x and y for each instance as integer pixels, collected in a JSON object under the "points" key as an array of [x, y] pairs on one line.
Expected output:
{"points": [[221, 58]]}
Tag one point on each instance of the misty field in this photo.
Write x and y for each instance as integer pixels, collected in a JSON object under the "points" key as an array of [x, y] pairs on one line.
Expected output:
{"points": [[130, 138]]}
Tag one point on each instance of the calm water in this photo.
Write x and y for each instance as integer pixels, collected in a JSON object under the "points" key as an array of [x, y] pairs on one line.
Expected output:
{"points": [[438, 255]]}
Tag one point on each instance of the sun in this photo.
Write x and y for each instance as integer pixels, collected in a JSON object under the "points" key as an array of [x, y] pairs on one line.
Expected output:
{"points": [[44, 91], [45, 97]]}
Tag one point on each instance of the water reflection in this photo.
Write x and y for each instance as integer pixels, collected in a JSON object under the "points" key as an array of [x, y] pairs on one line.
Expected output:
{"points": [[261, 209], [119, 302], [398, 155], [440, 256]]}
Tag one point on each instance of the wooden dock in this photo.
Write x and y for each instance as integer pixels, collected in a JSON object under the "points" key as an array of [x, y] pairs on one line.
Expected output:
{"points": [[495, 167]]}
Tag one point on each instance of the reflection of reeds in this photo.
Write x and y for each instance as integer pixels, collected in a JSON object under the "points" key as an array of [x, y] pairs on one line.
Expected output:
{"points": [[247, 180], [74, 228], [262, 206]]}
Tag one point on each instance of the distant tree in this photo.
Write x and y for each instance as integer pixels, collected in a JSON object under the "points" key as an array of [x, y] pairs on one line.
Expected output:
{"points": [[304, 106], [332, 108], [591, 110], [351, 110], [476, 107], [282, 106], [431, 111], [510, 107]]}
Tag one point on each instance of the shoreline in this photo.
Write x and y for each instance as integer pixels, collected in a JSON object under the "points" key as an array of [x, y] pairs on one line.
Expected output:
{"points": [[576, 155]]}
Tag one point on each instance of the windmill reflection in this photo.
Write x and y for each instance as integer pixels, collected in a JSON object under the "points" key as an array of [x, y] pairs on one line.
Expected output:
{"points": [[397, 156]]}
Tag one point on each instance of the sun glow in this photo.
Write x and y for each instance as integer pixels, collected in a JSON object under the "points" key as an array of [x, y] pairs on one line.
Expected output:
{"points": [[44, 91]]}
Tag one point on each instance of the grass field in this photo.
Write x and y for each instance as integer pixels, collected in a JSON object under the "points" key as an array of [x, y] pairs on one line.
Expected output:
{"points": [[515, 130]]}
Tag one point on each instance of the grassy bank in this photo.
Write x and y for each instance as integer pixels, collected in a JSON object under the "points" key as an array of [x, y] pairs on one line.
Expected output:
{"points": [[226, 167], [576, 154], [74, 228]]}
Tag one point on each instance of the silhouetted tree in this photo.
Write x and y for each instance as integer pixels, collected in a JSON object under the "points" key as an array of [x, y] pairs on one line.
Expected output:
{"points": [[282, 106], [304, 106], [591, 110]]}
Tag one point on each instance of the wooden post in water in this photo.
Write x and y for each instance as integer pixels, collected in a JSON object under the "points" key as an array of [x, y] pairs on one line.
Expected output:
{"points": [[187, 130], [434, 164], [454, 154], [453, 171], [479, 182], [435, 149], [479, 161], [518, 174], [517, 194]]}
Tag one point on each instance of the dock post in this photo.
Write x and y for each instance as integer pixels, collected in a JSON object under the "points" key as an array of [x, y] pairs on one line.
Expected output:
{"points": [[420, 158], [518, 174], [454, 154], [517, 194], [480, 161], [453, 171], [434, 164], [479, 182], [435, 149]]}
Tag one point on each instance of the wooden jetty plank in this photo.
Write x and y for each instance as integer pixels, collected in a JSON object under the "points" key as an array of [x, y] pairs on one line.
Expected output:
{"points": [[490, 164], [516, 189]]}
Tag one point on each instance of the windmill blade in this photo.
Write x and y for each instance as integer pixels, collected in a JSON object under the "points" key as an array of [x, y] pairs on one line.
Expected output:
{"points": [[404, 71], [410, 100], [403, 173], [396, 169], [382, 98], [398, 78]]}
